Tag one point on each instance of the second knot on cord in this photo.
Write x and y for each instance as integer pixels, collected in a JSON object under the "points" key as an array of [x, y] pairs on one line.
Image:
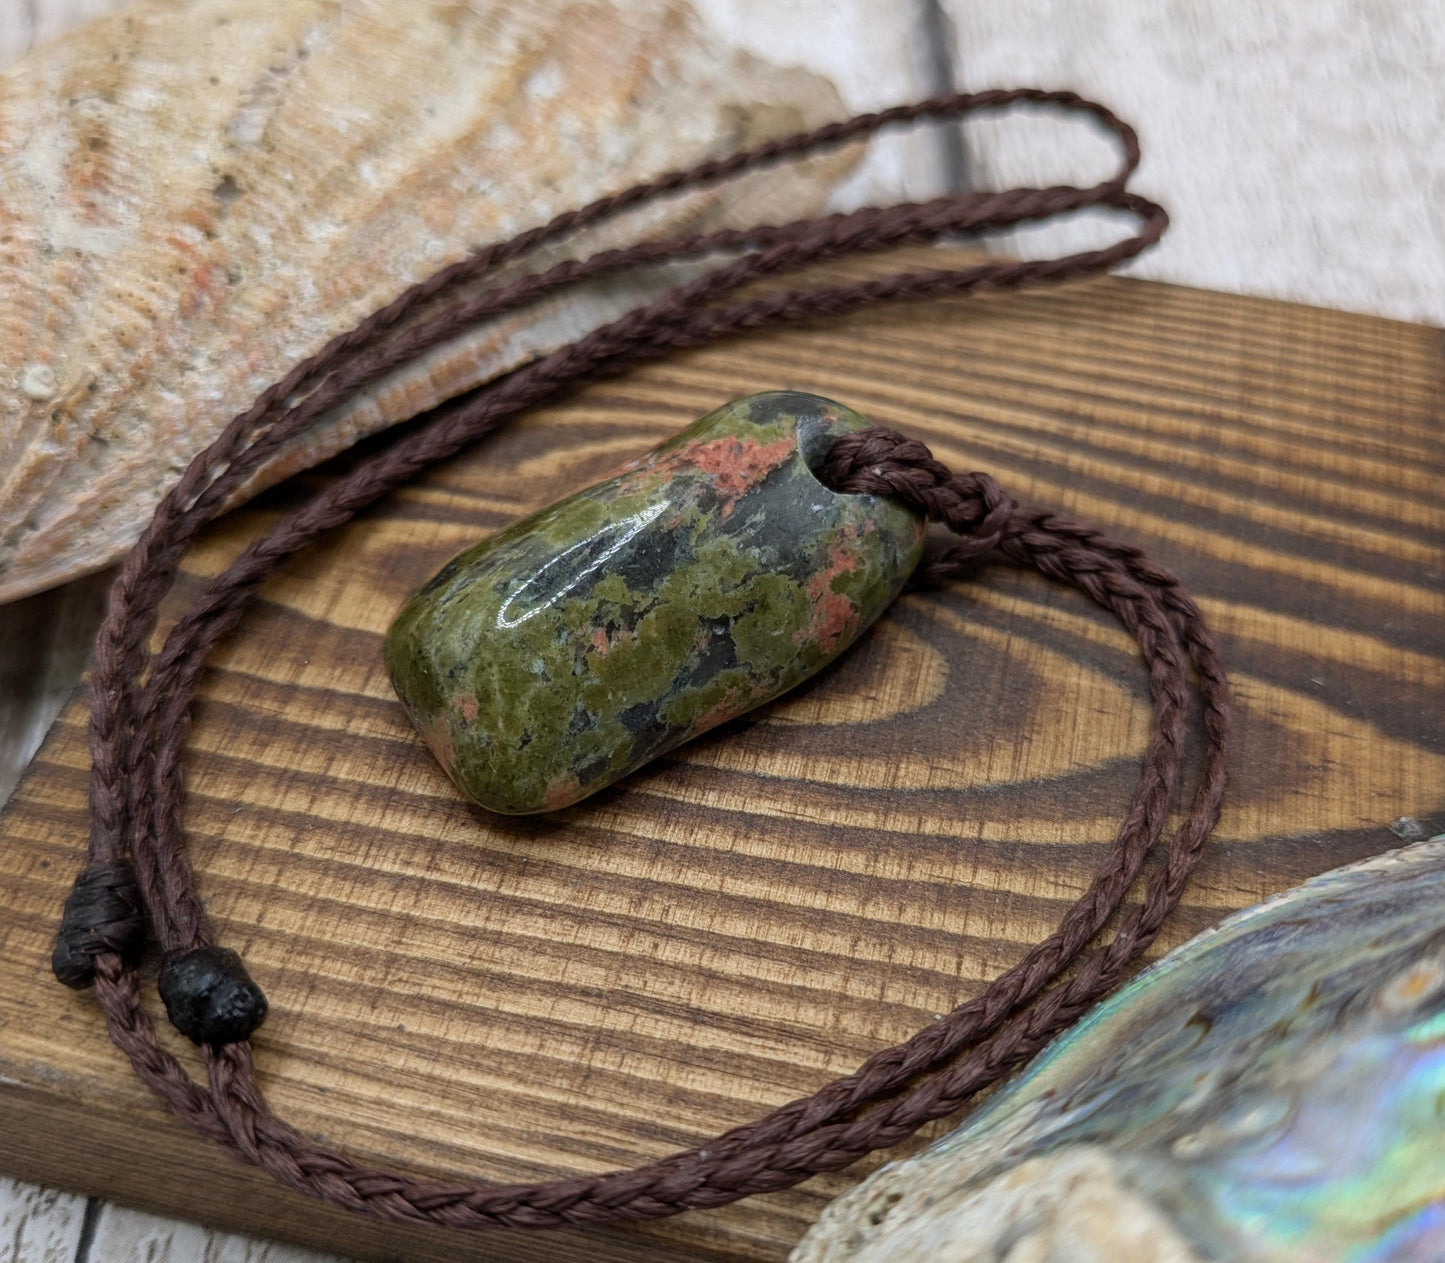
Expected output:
{"points": [[209, 996], [103, 914], [879, 461]]}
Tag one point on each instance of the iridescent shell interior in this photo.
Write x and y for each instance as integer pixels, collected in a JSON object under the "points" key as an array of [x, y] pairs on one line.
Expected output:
{"points": [[1269, 1093]]}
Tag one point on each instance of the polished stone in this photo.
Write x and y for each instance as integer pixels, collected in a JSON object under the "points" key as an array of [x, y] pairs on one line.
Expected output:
{"points": [[702, 580]]}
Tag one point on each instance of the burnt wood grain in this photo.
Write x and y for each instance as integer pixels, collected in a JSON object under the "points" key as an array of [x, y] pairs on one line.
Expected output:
{"points": [[512, 999]]}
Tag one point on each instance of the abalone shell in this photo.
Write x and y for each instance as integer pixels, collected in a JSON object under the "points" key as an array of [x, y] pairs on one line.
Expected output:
{"points": [[1271, 1092]]}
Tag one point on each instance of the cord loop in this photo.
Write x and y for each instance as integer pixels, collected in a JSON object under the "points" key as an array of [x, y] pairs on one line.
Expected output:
{"points": [[140, 704]]}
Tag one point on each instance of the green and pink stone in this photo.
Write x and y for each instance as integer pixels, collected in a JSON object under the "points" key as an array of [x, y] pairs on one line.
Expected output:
{"points": [[703, 579]]}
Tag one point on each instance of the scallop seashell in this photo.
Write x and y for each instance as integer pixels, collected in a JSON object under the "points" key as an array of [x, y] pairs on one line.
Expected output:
{"points": [[195, 194], [1268, 1093]]}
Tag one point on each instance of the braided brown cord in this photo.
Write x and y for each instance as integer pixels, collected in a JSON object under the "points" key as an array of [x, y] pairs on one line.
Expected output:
{"points": [[138, 729]]}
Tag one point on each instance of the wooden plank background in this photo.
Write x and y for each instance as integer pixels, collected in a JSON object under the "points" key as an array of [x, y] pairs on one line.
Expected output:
{"points": [[1298, 445], [756, 913]]}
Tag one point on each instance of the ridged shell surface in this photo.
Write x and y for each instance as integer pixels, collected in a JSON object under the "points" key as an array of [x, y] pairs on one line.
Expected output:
{"points": [[194, 196]]}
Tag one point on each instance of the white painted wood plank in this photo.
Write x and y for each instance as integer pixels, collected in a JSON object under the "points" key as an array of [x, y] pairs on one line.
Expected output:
{"points": [[38, 1225], [44, 643], [128, 1236], [874, 53], [1298, 147]]}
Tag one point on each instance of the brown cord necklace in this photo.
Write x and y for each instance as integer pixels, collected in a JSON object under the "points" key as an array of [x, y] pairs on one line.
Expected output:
{"points": [[137, 881]]}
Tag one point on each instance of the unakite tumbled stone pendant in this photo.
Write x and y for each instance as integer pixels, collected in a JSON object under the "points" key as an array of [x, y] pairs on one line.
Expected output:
{"points": [[706, 578]]}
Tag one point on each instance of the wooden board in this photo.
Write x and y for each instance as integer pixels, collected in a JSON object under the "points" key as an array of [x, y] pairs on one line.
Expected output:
{"points": [[758, 912]]}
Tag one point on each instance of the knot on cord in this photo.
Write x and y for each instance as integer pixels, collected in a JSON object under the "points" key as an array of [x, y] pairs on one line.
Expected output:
{"points": [[209, 996], [103, 914], [880, 461]]}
